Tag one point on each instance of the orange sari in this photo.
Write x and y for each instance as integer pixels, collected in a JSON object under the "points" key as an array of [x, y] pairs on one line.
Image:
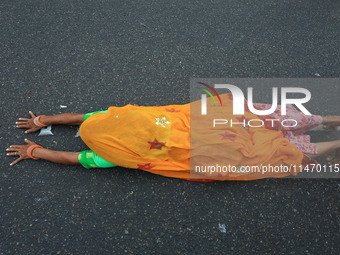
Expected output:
{"points": [[157, 139]]}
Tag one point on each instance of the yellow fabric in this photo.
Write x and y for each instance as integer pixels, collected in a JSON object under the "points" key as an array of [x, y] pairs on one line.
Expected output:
{"points": [[125, 136]]}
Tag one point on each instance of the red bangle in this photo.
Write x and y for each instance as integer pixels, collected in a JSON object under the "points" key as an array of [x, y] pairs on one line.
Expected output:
{"points": [[30, 150], [37, 121]]}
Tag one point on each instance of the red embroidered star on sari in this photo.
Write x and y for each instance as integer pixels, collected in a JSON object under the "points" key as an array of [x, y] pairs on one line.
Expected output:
{"points": [[156, 144], [229, 136]]}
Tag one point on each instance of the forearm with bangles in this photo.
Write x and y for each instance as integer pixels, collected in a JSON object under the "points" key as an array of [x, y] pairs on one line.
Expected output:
{"points": [[62, 119], [61, 157]]}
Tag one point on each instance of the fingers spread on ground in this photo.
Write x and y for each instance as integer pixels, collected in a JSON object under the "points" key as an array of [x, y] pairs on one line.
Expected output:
{"points": [[32, 114], [22, 126], [24, 119], [11, 149], [16, 161], [15, 146], [12, 154]]}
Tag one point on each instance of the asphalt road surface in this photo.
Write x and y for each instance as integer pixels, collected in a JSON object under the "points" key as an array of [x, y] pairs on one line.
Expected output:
{"points": [[89, 55]]}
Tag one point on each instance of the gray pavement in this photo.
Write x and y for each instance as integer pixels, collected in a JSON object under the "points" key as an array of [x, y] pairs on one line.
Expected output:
{"points": [[89, 55]]}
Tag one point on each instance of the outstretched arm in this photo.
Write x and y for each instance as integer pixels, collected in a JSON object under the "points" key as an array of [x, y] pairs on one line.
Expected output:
{"points": [[63, 119], [59, 119], [61, 157]]}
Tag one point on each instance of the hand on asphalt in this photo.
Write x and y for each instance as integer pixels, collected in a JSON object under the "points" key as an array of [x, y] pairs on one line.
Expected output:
{"points": [[19, 150], [28, 123]]}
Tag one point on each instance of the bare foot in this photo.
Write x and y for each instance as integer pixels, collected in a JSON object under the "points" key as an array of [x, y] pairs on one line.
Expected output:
{"points": [[331, 122], [331, 127], [332, 160]]}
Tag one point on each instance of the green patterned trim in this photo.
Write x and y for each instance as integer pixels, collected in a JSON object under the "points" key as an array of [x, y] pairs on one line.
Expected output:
{"points": [[90, 159], [87, 115]]}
